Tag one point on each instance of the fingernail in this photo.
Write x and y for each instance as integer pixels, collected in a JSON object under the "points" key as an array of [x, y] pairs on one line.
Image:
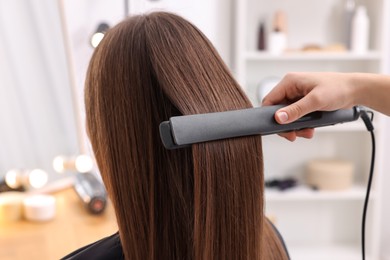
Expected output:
{"points": [[283, 117]]}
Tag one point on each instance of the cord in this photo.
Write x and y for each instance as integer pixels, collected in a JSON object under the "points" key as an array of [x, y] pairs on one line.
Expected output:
{"points": [[368, 122]]}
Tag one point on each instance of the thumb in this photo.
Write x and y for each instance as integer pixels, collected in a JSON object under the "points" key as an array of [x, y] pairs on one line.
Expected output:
{"points": [[294, 111]]}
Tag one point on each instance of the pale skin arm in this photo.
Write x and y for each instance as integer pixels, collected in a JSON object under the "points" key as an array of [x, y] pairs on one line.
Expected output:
{"points": [[327, 91]]}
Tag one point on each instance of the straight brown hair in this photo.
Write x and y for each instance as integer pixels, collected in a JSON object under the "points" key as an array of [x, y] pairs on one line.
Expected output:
{"points": [[203, 202]]}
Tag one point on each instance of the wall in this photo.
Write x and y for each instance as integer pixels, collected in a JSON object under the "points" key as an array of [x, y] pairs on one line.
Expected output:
{"points": [[385, 224], [37, 120]]}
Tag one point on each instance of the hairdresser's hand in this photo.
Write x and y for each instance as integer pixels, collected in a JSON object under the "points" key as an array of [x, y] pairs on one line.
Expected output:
{"points": [[308, 92]]}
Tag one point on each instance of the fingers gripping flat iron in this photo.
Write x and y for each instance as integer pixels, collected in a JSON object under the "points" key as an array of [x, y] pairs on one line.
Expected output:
{"points": [[182, 131]]}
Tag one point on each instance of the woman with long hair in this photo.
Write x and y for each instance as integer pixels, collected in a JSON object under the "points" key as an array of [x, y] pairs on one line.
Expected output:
{"points": [[201, 202]]}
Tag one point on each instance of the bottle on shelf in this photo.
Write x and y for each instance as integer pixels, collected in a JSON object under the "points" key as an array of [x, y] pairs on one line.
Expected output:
{"points": [[277, 40], [349, 9], [261, 46], [360, 31]]}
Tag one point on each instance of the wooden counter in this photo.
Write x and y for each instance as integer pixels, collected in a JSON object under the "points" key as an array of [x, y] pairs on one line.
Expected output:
{"points": [[72, 228]]}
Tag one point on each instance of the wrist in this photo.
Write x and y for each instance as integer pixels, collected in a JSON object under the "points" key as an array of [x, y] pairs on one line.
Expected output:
{"points": [[357, 84]]}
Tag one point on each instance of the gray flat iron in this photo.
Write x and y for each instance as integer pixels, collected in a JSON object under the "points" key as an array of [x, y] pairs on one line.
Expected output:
{"points": [[182, 131]]}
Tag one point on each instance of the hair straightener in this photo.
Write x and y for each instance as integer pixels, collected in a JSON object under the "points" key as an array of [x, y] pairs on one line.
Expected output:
{"points": [[182, 131]]}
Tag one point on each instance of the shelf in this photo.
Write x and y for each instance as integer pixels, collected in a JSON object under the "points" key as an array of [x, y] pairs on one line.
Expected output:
{"points": [[312, 56], [317, 225], [303, 193], [326, 252]]}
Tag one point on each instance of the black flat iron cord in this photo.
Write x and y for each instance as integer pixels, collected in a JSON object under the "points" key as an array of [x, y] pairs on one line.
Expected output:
{"points": [[368, 195], [368, 122]]}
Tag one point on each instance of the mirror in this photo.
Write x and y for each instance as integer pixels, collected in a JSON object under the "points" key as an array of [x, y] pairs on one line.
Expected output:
{"points": [[37, 113]]}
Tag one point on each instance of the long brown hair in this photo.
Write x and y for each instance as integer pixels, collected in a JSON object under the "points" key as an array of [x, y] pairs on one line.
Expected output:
{"points": [[204, 202]]}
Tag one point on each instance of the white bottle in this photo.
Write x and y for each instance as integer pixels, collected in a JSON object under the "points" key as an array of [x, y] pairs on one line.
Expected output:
{"points": [[349, 10], [277, 42], [360, 31]]}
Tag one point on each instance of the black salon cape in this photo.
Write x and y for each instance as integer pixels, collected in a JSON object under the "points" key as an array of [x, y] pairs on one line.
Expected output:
{"points": [[105, 249], [110, 248]]}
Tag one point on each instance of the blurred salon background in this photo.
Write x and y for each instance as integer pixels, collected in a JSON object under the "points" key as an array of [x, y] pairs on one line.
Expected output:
{"points": [[52, 200]]}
